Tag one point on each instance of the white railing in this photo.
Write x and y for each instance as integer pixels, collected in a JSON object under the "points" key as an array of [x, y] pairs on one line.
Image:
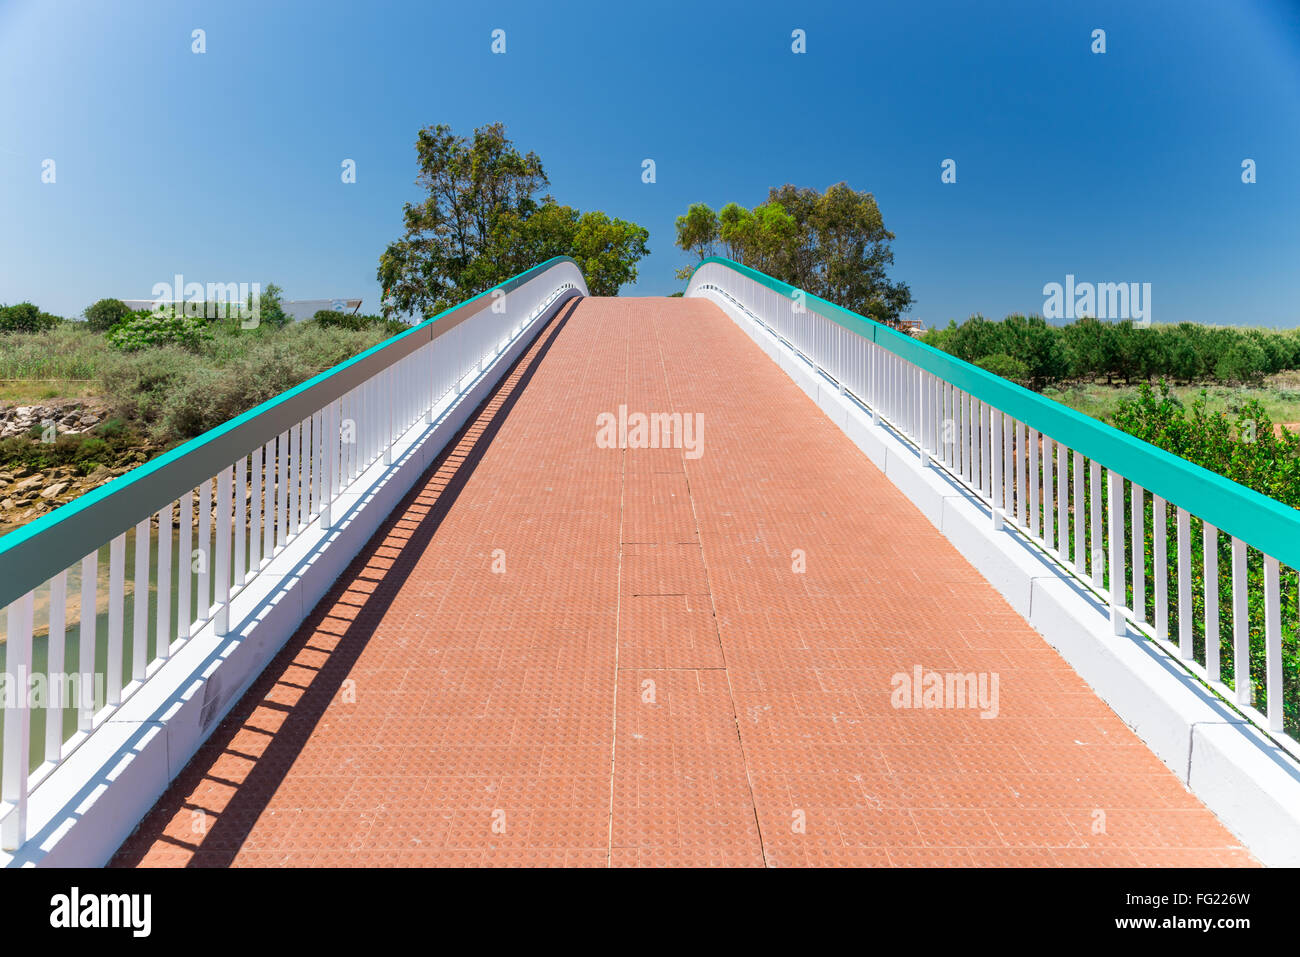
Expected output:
{"points": [[186, 533], [1070, 485]]}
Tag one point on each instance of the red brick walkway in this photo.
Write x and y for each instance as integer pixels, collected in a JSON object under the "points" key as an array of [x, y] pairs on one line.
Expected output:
{"points": [[558, 653]]}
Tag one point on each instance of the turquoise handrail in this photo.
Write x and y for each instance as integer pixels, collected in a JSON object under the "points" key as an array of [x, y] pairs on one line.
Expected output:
{"points": [[31, 554], [1262, 522]]}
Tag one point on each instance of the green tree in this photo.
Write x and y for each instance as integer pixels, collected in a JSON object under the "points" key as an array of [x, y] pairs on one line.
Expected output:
{"points": [[833, 245], [607, 250], [1035, 344], [106, 313], [1187, 351], [1245, 361], [854, 253], [25, 317], [270, 308], [481, 223], [735, 226], [698, 231], [1008, 367], [1090, 346]]}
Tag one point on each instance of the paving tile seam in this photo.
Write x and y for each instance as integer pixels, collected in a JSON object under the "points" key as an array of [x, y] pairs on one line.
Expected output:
{"points": [[699, 543], [484, 692], [618, 627]]}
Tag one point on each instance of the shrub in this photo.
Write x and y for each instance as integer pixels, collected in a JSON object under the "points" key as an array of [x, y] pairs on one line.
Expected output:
{"points": [[1244, 447], [1245, 361], [105, 314], [25, 317], [333, 319], [83, 452], [340, 320], [1006, 366], [270, 312], [141, 330], [139, 382], [113, 428], [174, 394]]}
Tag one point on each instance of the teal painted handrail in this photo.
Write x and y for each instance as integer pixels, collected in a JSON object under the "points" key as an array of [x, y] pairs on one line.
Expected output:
{"points": [[31, 554], [1262, 522]]}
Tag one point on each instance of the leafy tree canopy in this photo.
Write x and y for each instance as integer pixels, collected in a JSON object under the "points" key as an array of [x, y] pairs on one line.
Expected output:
{"points": [[481, 222], [106, 313], [831, 244], [25, 317]]}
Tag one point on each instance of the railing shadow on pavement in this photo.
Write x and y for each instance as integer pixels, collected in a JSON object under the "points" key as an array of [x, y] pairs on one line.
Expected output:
{"points": [[223, 837]]}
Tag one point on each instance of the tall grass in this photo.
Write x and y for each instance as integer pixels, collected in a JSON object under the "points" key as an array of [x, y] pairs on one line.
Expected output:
{"points": [[68, 351], [168, 394]]}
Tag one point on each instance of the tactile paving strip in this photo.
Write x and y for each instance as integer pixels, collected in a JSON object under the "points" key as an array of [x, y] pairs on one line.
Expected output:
{"points": [[561, 654]]}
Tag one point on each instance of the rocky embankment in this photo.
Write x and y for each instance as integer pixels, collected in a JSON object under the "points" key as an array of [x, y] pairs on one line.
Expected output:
{"points": [[27, 493], [68, 418]]}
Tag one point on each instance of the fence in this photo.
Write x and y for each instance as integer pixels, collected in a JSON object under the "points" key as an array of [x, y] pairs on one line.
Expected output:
{"points": [[183, 535], [1118, 513]]}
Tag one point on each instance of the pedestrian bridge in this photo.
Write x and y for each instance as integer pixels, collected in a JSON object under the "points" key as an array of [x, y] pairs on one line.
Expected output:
{"points": [[736, 578]]}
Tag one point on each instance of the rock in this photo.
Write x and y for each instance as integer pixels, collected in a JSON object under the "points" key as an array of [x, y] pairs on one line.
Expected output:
{"points": [[27, 485], [55, 490], [8, 504]]}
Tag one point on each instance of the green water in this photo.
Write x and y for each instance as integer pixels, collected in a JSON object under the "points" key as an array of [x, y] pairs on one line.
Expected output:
{"points": [[71, 638]]}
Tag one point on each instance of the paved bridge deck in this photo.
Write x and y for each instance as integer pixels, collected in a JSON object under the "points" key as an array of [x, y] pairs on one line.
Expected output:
{"points": [[558, 653]]}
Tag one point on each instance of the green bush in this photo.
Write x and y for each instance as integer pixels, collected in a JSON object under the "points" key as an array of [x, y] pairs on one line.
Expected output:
{"points": [[174, 394], [1245, 361], [1245, 447], [1090, 349], [270, 312], [340, 320], [85, 452], [25, 317], [105, 314], [1006, 366], [142, 330], [333, 319]]}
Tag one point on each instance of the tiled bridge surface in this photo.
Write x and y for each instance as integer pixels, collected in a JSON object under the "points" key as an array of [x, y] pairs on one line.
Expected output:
{"points": [[561, 653]]}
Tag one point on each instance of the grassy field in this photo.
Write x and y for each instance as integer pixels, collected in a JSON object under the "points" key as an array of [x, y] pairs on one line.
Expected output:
{"points": [[146, 401], [1279, 395], [32, 391], [166, 394]]}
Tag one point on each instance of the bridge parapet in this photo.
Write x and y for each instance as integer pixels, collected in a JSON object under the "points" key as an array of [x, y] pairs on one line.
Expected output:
{"points": [[1102, 508], [216, 525]]}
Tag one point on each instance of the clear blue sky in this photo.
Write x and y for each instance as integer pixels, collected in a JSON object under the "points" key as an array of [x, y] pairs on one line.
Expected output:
{"points": [[225, 166]]}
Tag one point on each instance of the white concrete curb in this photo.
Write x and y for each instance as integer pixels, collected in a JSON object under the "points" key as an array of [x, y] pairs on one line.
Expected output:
{"points": [[1248, 781]]}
